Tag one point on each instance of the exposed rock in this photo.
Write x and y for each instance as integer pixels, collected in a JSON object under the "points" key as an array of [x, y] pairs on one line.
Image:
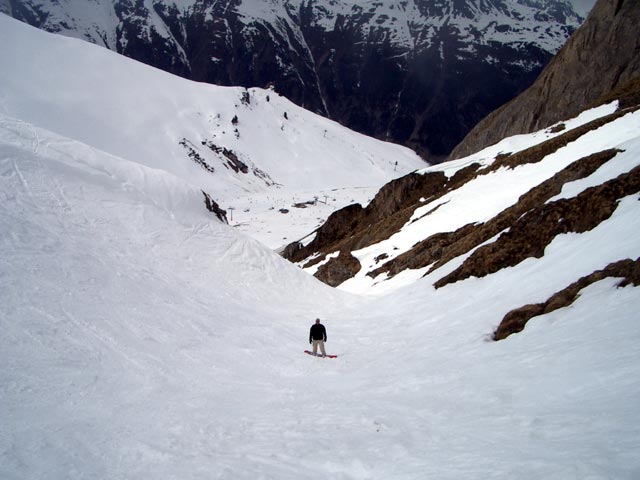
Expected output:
{"points": [[443, 247], [195, 156], [627, 94], [426, 252], [290, 251], [514, 321], [334, 273], [529, 235], [404, 192], [601, 55], [213, 207], [340, 225], [354, 227], [439, 249], [233, 162], [538, 152], [264, 176]]}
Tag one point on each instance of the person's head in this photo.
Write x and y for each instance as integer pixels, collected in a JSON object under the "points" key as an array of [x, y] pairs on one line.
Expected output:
{"points": [[317, 320]]}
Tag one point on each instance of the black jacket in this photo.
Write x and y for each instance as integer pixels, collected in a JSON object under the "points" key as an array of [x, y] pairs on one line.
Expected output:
{"points": [[317, 332]]}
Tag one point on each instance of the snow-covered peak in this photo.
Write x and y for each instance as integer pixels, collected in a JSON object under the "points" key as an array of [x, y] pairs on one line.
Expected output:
{"points": [[230, 142], [410, 23]]}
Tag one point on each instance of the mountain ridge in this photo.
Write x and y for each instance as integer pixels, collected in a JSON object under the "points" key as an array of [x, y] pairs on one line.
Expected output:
{"points": [[230, 142], [601, 56], [434, 236], [413, 72]]}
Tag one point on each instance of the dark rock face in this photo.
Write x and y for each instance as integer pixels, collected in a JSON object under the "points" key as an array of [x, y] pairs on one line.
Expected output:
{"points": [[515, 320], [416, 72], [214, 208], [601, 56], [355, 227]]}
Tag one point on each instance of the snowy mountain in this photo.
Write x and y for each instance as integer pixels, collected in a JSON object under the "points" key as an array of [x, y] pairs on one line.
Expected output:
{"points": [[144, 338], [250, 150], [417, 72], [526, 197], [578, 176], [428, 223], [602, 56]]}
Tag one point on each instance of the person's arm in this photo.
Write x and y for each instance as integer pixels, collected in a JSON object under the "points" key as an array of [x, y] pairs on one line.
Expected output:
{"points": [[310, 330], [324, 331]]}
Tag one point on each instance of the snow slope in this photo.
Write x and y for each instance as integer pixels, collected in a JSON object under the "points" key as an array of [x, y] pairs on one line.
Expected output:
{"points": [[142, 338], [136, 112]]}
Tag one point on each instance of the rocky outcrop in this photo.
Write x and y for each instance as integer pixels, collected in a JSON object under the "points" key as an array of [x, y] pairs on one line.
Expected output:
{"points": [[355, 227], [513, 322], [439, 249], [578, 214], [525, 228], [214, 208], [334, 273], [603, 54]]}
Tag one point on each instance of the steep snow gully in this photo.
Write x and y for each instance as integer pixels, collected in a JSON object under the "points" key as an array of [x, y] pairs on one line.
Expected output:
{"points": [[140, 337]]}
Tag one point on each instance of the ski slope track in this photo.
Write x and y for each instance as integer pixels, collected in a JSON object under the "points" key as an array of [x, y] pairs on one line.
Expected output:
{"points": [[141, 337]]}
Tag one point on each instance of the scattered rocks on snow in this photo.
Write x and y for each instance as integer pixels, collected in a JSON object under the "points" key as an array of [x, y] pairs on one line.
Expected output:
{"points": [[195, 156]]}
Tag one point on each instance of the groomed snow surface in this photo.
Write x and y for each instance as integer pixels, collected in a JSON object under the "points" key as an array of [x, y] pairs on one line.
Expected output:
{"points": [[141, 338]]}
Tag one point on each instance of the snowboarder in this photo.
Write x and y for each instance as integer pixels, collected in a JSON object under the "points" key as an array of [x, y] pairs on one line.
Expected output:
{"points": [[317, 336]]}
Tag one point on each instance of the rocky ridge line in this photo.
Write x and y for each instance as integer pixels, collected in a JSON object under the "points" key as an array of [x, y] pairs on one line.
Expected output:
{"points": [[600, 56], [355, 227]]}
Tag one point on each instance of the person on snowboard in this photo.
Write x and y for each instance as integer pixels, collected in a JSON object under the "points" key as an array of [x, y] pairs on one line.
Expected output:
{"points": [[317, 336]]}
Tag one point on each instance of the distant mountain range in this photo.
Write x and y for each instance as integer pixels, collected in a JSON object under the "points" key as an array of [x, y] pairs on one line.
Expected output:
{"points": [[417, 72]]}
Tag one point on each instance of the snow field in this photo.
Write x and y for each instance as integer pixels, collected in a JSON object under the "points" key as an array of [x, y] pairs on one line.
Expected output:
{"points": [[142, 338]]}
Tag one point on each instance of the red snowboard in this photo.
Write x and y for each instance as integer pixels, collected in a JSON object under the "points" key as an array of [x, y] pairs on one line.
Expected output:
{"points": [[308, 352]]}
